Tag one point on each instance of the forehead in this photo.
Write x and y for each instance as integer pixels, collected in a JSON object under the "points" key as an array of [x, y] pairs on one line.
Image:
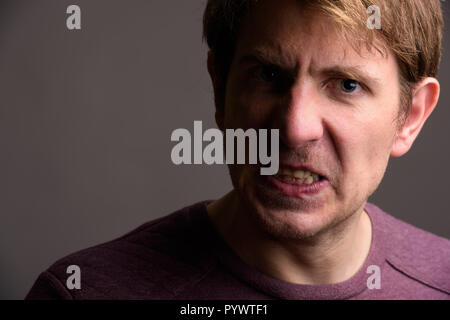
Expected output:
{"points": [[284, 33]]}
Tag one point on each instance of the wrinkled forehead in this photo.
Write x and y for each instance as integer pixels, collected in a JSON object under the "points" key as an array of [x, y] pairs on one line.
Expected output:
{"points": [[292, 35]]}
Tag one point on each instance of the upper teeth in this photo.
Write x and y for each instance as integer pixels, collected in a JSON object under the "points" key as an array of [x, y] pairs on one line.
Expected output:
{"points": [[307, 176]]}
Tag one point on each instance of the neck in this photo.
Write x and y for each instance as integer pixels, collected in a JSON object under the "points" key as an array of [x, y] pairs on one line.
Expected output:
{"points": [[332, 256]]}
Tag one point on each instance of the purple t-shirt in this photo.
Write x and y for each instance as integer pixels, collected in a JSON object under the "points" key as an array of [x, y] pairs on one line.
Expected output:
{"points": [[181, 256]]}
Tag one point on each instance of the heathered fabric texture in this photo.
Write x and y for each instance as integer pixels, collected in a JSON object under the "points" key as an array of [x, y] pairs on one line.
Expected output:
{"points": [[181, 256]]}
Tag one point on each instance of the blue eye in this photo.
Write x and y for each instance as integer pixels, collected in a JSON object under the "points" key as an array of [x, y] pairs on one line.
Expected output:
{"points": [[349, 86]]}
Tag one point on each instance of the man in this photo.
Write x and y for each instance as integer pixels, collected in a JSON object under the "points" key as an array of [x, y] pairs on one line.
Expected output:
{"points": [[345, 98]]}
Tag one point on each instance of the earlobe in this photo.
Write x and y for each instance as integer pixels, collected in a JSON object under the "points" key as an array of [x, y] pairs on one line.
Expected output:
{"points": [[424, 99]]}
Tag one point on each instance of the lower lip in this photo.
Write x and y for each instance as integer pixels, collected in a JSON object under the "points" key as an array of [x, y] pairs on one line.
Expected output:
{"points": [[299, 191]]}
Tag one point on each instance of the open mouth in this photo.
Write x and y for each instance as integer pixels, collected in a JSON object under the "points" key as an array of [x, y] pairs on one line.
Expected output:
{"points": [[298, 181], [298, 177]]}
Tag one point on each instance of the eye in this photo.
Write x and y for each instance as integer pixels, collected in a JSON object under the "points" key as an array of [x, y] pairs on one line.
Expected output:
{"points": [[345, 88], [266, 74], [349, 85]]}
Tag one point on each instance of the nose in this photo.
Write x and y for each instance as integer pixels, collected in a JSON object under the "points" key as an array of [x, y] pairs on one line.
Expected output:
{"points": [[301, 121]]}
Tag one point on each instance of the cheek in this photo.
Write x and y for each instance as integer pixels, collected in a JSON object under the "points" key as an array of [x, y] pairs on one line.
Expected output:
{"points": [[373, 143], [244, 109], [245, 113], [361, 142], [242, 177]]}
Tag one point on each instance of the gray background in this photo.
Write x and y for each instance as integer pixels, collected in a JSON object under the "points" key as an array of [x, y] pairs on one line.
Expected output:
{"points": [[85, 124]]}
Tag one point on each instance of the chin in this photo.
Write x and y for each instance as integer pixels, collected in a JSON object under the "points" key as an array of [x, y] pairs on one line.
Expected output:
{"points": [[280, 216], [284, 217], [284, 223]]}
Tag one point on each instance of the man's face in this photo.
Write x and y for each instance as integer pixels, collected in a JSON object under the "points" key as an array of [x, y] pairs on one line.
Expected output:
{"points": [[335, 109]]}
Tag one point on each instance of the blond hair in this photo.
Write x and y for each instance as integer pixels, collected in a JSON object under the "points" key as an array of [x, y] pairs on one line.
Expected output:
{"points": [[411, 29]]}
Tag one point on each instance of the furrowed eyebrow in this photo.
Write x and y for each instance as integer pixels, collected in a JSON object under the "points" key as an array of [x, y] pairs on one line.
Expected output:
{"points": [[268, 57], [278, 58], [260, 59], [353, 73]]}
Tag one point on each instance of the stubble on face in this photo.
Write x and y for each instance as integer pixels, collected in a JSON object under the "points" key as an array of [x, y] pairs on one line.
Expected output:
{"points": [[288, 217], [283, 217]]}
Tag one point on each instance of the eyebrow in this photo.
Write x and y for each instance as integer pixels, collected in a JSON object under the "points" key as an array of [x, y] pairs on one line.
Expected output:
{"points": [[276, 57], [353, 73], [279, 59]]}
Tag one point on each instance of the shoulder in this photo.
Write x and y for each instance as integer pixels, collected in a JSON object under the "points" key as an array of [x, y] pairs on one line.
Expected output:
{"points": [[156, 260], [416, 253]]}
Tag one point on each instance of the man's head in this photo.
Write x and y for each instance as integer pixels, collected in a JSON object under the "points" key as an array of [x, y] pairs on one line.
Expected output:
{"points": [[344, 97], [411, 30]]}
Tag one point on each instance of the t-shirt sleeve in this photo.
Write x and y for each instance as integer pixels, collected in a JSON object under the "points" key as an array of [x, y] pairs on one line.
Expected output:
{"points": [[48, 287]]}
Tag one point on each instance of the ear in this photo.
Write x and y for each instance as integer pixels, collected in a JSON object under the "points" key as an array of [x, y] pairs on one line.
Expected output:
{"points": [[217, 87], [424, 99]]}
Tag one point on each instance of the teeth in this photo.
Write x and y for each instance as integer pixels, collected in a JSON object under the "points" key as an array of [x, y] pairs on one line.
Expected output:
{"points": [[303, 176], [299, 174]]}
